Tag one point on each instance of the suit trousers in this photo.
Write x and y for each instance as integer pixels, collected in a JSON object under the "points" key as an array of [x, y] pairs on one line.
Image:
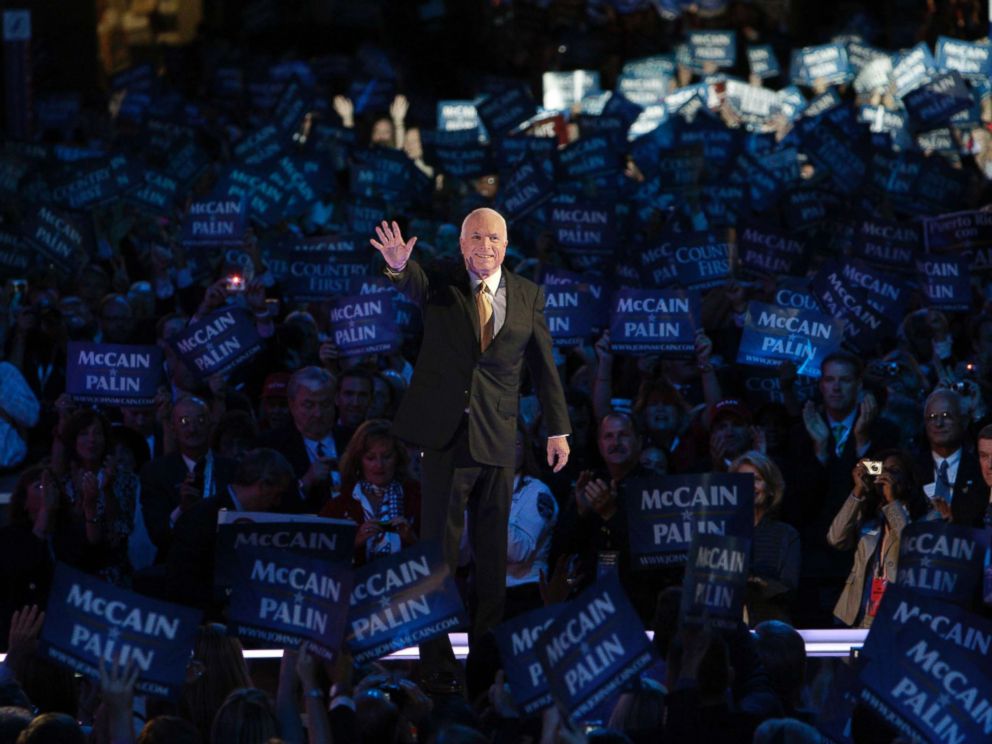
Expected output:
{"points": [[453, 483]]}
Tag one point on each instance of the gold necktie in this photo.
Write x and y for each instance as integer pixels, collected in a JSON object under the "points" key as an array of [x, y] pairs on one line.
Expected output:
{"points": [[484, 304]]}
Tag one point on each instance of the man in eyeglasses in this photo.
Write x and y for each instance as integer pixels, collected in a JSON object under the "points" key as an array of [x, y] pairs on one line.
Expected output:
{"points": [[173, 483], [951, 472]]}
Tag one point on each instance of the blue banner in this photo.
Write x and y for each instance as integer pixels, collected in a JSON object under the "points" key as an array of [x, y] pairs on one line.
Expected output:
{"points": [[589, 156], [714, 47], [583, 227], [260, 146], [314, 276], [911, 68], [652, 321], [513, 150], [15, 257], [716, 571], [156, 193], [364, 325], [402, 600], [699, 260], [330, 540], [863, 325], [937, 100], [529, 187], [282, 598], [945, 281], [769, 251], [113, 374], [453, 116], [505, 111], [219, 342], [570, 311], [518, 641], [794, 293], [459, 154], [774, 334], [594, 647], [889, 245], [562, 90], [887, 294], [957, 232], [762, 61], [665, 512], [942, 560], [215, 222], [56, 236], [826, 63], [92, 184], [926, 687], [89, 621], [406, 312], [969, 58], [384, 173]]}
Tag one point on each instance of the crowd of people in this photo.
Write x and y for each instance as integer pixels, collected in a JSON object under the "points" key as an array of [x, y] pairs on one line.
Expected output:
{"points": [[891, 430]]}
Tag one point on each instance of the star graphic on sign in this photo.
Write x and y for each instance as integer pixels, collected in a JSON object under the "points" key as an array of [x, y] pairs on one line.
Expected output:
{"points": [[584, 648], [209, 346], [687, 515], [113, 372], [925, 561], [651, 318], [114, 633], [384, 602], [298, 597], [351, 324], [943, 699]]}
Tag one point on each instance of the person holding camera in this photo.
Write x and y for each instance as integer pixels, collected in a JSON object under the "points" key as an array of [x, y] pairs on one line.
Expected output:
{"points": [[885, 498], [377, 492]]}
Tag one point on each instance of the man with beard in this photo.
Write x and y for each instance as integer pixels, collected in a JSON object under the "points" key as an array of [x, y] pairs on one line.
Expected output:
{"points": [[594, 525]]}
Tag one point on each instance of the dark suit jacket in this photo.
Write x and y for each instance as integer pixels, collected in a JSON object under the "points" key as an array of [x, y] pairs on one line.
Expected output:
{"points": [[453, 374], [970, 494], [189, 567], [289, 443], [161, 478]]}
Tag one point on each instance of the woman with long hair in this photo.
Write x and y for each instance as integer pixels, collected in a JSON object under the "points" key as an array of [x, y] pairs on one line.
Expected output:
{"points": [[218, 669], [377, 492]]}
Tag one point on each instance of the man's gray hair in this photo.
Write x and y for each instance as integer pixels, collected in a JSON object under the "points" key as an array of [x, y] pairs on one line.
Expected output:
{"points": [[312, 378], [484, 210], [953, 397]]}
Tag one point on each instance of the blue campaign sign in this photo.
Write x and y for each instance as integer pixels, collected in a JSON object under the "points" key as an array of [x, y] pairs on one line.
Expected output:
{"points": [[383, 172], [777, 334], [454, 116], [512, 150], [518, 641], [260, 146], [942, 560], [90, 184], [913, 67], [971, 59], [652, 321], [643, 91], [330, 540], [723, 203], [89, 622], [570, 311], [718, 48], [219, 342], [926, 687], [215, 222], [529, 187], [886, 244], [114, 374], [889, 295], [834, 151], [762, 61], [699, 260], [506, 110], [15, 257], [589, 156], [665, 512], [365, 214], [564, 89], [716, 571], [460, 154], [155, 193], [56, 236], [957, 232], [282, 598], [364, 325], [937, 100], [593, 648], [314, 276], [255, 187], [847, 302], [945, 281], [583, 227], [406, 312], [826, 63], [767, 250], [402, 600]]}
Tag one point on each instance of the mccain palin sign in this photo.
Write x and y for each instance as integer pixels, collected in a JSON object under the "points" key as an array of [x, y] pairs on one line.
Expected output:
{"points": [[518, 640], [664, 513], [219, 342], [773, 335], [113, 374], [90, 623], [652, 321]]}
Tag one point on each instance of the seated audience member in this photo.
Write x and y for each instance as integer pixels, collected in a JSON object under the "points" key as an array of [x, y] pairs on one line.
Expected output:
{"points": [[775, 554], [871, 521], [783, 655], [640, 714], [377, 492], [950, 469], [174, 483], [533, 515], [730, 436], [247, 716], [99, 494], [52, 728], [261, 481], [352, 401], [217, 669], [308, 444]]}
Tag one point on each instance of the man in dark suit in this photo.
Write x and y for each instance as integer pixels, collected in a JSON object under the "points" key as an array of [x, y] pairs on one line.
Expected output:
{"points": [[481, 325], [173, 483], [952, 473], [309, 443], [262, 479]]}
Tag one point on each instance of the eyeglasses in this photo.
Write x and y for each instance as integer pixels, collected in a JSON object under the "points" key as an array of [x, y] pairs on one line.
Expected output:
{"points": [[945, 416]]}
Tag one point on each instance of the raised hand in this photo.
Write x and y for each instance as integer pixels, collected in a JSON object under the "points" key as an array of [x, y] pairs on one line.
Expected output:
{"points": [[391, 245]]}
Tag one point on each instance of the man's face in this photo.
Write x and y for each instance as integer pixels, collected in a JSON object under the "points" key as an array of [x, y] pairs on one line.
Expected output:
{"points": [[353, 399], [661, 417], [483, 243], [617, 442], [141, 419], [191, 424], [985, 459], [839, 386], [944, 423], [729, 437], [313, 411], [116, 322]]}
